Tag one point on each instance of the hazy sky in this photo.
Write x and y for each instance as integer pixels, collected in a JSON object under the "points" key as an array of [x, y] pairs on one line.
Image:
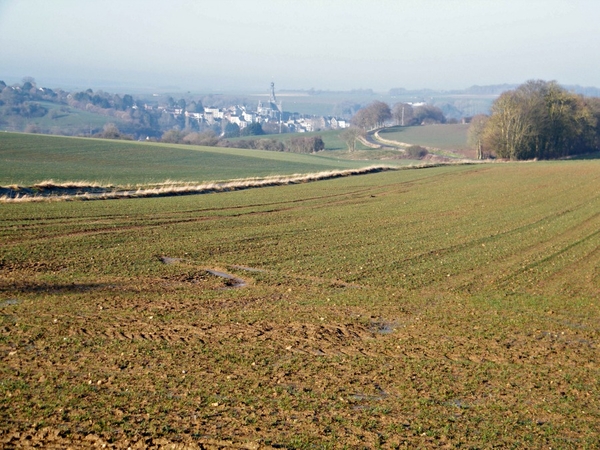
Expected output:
{"points": [[325, 44]]}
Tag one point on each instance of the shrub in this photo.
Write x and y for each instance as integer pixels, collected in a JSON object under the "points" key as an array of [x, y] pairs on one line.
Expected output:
{"points": [[416, 152]]}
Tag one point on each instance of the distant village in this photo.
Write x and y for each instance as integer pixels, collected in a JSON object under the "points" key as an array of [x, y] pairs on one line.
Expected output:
{"points": [[267, 112], [33, 109]]}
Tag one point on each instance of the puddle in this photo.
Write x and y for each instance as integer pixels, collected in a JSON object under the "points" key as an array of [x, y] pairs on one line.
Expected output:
{"points": [[233, 281], [9, 302], [365, 397], [370, 397], [169, 260], [248, 269], [458, 403], [383, 327]]}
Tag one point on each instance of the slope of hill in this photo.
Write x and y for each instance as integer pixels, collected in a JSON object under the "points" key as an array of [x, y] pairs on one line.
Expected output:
{"points": [[28, 158], [442, 136], [452, 307]]}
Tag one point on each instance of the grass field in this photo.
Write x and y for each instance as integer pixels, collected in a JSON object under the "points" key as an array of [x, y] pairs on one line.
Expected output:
{"points": [[26, 159], [72, 120], [444, 137], [61, 119], [451, 306]]}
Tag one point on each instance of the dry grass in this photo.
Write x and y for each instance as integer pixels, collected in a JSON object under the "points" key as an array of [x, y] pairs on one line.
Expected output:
{"points": [[49, 191], [51, 184]]}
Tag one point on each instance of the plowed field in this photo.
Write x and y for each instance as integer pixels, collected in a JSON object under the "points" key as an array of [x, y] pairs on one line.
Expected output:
{"points": [[442, 307]]}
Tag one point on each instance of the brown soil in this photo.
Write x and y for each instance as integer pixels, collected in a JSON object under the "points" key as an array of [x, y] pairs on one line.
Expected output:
{"points": [[114, 351]]}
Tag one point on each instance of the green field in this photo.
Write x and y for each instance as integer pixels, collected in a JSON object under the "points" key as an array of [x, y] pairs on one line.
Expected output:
{"points": [[26, 159], [444, 137], [62, 120], [72, 120], [447, 307]]}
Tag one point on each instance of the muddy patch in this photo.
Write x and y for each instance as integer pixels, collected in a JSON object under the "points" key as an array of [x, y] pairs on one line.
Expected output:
{"points": [[9, 302], [231, 281], [383, 327], [248, 269], [169, 260], [458, 403], [364, 401], [53, 288]]}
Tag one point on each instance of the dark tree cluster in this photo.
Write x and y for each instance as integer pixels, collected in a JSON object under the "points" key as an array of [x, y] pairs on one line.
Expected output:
{"points": [[428, 115], [111, 131], [231, 130], [254, 129], [20, 103], [408, 115], [311, 144], [103, 100], [378, 113], [174, 136], [272, 145], [372, 116], [416, 152]]}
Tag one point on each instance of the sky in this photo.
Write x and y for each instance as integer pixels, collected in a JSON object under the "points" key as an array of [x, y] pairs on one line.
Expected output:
{"points": [[244, 45]]}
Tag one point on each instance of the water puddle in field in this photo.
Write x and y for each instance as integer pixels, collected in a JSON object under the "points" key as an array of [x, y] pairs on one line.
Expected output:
{"points": [[248, 269], [366, 398], [383, 327], [233, 282], [169, 260], [9, 302], [458, 403]]}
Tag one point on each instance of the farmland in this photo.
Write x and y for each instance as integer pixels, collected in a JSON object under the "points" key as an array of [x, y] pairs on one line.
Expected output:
{"points": [[450, 306], [444, 137], [27, 159], [70, 121]]}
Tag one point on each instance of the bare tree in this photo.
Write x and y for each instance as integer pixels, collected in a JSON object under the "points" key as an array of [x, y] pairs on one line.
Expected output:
{"points": [[350, 135], [372, 116], [475, 134], [540, 119], [403, 114], [428, 114]]}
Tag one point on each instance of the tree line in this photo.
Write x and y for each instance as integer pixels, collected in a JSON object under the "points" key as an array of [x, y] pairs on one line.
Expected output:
{"points": [[539, 119], [128, 117], [378, 113], [19, 103], [295, 144]]}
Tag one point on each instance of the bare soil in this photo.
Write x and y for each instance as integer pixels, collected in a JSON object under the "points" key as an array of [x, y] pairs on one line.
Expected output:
{"points": [[374, 313]]}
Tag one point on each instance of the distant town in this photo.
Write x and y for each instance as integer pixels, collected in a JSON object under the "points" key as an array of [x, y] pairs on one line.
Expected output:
{"points": [[202, 118], [267, 113]]}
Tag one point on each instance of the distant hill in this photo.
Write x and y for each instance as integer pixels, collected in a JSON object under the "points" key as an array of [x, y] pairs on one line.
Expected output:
{"points": [[492, 89], [35, 109]]}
